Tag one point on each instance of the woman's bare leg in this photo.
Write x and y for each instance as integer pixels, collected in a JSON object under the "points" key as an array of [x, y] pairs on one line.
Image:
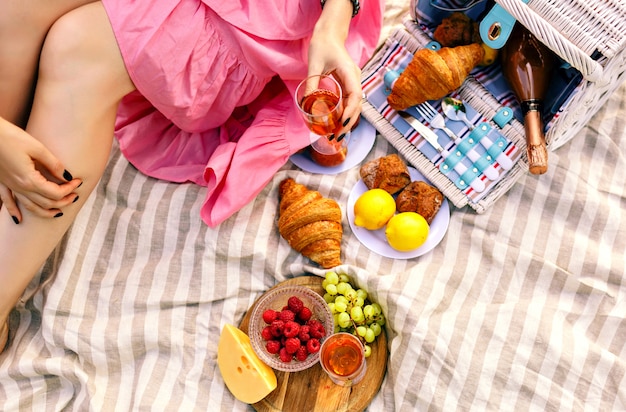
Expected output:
{"points": [[4, 335], [82, 78], [23, 27]]}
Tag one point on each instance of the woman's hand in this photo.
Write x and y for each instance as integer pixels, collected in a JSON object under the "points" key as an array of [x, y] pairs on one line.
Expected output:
{"points": [[31, 176], [328, 54]]}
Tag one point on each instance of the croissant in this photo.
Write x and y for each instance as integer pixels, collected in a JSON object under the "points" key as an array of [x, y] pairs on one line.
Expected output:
{"points": [[433, 74], [310, 223]]}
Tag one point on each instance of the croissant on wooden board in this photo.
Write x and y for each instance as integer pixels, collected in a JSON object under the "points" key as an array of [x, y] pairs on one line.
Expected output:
{"points": [[431, 75], [310, 223]]}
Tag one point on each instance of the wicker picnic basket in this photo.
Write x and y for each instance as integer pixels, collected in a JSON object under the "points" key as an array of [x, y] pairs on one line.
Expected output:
{"points": [[589, 36]]}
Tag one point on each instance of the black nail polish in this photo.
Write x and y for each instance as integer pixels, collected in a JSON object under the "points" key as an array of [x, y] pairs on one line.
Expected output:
{"points": [[81, 183], [346, 122], [67, 175], [331, 137], [340, 138], [75, 199], [17, 222], [59, 214]]}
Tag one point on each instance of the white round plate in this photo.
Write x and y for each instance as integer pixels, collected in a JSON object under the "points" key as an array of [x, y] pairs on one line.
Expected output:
{"points": [[376, 241], [361, 142]]}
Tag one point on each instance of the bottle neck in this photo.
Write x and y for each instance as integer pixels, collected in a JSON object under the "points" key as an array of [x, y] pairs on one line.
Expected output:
{"points": [[535, 142], [531, 105]]}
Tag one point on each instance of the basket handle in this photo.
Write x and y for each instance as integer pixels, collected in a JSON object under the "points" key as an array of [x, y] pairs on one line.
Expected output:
{"points": [[547, 34]]}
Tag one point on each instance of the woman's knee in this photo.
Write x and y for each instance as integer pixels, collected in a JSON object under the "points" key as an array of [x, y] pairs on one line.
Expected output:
{"points": [[81, 46]]}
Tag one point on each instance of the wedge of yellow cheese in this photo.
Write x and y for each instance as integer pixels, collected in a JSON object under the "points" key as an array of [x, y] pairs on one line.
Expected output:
{"points": [[245, 375]]}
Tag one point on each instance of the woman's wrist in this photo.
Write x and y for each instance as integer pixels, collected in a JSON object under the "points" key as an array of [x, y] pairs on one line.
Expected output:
{"points": [[356, 6], [334, 22]]}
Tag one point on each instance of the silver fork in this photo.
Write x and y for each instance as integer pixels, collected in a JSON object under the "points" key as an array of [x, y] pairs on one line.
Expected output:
{"points": [[437, 121]]}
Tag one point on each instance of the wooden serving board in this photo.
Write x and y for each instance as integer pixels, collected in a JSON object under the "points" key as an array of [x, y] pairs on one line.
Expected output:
{"points": [[311, 389]]}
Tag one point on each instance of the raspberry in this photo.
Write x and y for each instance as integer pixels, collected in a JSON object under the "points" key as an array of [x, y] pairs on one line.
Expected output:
{"points": [[292, 345], [269, 316], [312, 322], [304, 333], [302, 353], [273, 346], [291, 329], [313, 345], [286, 315], [266, 333], [277, 327], [284, 356], [317, 330], [305, 314], [295, 304]]}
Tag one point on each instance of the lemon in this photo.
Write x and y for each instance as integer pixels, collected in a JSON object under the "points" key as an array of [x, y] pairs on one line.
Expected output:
{"points": [[373, 209], [407, 231], [489, 56]]}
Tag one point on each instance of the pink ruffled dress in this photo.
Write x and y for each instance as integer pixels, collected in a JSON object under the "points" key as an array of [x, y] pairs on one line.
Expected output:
{"points": [[215, 80]]}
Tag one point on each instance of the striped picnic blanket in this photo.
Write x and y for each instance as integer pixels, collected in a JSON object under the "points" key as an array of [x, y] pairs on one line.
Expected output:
{"points": [[522, 307]]}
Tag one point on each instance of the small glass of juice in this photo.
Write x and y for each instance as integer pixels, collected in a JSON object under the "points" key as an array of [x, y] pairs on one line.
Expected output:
{"points": [[320, 102], [342, 356]]}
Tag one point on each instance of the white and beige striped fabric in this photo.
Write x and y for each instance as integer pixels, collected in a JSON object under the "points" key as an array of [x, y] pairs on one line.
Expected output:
{"points": [[520, 308]]}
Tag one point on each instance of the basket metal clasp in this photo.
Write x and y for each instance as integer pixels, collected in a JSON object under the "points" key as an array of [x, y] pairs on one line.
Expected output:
{"points": [[495, 28]]}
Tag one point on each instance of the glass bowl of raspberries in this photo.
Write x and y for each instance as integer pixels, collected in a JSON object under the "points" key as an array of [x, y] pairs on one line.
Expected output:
{"points": [[287, 327]]}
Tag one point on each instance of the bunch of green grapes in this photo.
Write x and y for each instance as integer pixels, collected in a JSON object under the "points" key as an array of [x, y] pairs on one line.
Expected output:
{"points": [[351, 310]]}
